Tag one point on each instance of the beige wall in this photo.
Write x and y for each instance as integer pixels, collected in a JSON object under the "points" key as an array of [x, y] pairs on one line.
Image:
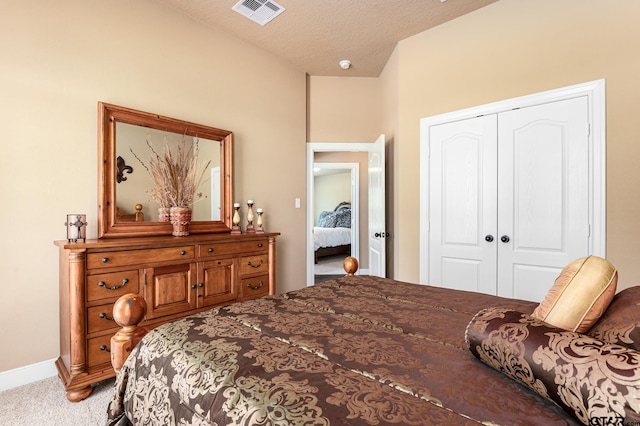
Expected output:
{"points": [[517, 47], [343, 109], [329, 190], [58, 60]]}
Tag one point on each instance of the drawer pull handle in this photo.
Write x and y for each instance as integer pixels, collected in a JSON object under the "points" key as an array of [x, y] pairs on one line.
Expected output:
{"points": [[104, 316], [201, 285], [183, 252], [260, 245], [115, 287], [193, 286], [105, 260], [210, 249], [255, 266], [104, 348], [255, 287]]}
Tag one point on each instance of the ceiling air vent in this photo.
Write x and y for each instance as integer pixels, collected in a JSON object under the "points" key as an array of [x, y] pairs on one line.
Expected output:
{"points": [[260, 11]]}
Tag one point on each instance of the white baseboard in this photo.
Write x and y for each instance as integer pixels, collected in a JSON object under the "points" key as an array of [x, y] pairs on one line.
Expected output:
{"points": [[28, 374]]}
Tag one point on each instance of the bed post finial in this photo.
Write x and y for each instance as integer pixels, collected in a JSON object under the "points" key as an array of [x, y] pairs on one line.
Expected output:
{"points": [[128, 311], [350, 266]]}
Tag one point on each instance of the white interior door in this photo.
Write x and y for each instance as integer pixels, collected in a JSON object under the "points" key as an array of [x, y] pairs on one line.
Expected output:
{"points": [[376, 209], [377, 223], [543, 195], [463, 205]]}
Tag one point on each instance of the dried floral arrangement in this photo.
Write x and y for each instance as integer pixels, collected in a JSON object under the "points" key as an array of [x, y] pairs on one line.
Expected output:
{"points": [[176, 173]]}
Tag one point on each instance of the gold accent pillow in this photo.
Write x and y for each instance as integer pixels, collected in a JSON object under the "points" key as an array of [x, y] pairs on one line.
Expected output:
{"points": [[580, 294]]}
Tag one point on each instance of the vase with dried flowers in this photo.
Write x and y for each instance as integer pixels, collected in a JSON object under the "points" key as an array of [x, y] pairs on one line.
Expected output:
{"points": [[176, 175]]}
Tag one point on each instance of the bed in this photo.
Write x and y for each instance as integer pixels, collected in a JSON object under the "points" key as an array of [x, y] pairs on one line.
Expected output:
{"points": [[332, 235], [363, 350]]}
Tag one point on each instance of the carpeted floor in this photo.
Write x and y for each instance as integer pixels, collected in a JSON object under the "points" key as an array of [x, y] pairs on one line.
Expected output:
{"points": [[44, 403]]}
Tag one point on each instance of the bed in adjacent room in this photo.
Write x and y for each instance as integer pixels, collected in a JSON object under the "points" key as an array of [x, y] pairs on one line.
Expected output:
{"points": [[363, 350], [332, 235]]}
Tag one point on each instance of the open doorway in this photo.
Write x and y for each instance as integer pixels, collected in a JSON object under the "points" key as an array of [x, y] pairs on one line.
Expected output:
{"points": [[336, 226], [370, 248]]}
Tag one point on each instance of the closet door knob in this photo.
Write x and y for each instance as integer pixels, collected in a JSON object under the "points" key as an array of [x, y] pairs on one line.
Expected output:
{"points": [[488, 238], [505, 238]]}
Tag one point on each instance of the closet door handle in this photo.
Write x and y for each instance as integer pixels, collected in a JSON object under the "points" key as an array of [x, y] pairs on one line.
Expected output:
{"points": [[505, 239], [488, 238]]}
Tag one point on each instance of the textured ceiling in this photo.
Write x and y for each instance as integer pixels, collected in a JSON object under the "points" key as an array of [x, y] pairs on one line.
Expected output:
{"points": [[314, 35]]}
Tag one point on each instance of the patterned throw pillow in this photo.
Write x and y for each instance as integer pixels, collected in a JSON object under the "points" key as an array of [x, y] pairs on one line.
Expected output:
{"points": [[343, 218], [580, 295], [327, 219], [586, 377], [620, 323]]}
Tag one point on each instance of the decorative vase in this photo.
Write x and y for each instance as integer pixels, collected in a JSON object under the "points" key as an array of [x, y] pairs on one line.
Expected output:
{"points": [[180, 219], [164, 214]]}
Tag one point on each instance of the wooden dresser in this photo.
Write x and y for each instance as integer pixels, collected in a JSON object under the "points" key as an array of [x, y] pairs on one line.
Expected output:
{"points": [[177, 276]]}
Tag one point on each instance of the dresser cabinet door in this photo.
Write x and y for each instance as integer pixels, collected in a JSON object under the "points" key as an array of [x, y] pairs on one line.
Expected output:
{"points": [[216, 282], [170, 289]]}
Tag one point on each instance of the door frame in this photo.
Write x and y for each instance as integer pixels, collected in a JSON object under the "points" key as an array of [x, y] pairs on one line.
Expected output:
{"points": [[595, 92], [354, 169], [312, 148]]}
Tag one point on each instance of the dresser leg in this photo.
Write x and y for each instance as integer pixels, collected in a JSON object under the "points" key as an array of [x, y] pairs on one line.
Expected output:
{"points": [[76, 395]]}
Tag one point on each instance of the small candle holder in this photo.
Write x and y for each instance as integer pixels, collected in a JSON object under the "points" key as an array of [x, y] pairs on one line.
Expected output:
{"points": [[76, 227], [259, 223], [235, 228], [250, 228]]}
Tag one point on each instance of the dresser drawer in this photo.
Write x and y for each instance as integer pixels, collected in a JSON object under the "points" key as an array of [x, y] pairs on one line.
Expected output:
{"points": [[222, 249], [254, 287], [100, 318], [114, 284], [98, 350], [135, 257], [250, 265]]}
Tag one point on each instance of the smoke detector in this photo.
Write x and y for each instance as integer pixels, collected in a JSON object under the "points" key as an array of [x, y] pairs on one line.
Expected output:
{"points": [[345, 64], [260, 11]]}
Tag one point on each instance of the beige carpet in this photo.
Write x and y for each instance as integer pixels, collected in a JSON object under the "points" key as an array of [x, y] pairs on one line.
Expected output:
{"points": [[330, 265], [45, 403]]}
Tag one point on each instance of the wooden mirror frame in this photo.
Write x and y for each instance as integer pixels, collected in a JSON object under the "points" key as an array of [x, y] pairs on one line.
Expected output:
{"points": [[108, 226]]}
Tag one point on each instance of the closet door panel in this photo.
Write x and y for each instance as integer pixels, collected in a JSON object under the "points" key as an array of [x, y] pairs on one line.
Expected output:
{"points": [[543, 205], [462, 209]]}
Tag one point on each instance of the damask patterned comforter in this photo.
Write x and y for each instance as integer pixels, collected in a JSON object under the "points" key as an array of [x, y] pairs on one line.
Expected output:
{"points": [[353, 351]]}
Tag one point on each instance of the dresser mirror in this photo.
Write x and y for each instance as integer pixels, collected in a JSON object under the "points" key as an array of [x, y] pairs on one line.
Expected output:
{"points": [[127, 139]]}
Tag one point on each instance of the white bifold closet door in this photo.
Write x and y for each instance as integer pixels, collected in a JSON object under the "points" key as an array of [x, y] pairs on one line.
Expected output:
{"points": [[509, 199]]}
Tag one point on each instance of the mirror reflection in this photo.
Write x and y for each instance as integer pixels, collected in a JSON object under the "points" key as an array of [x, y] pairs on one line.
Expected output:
{"points": [[126, 206], [133, 188]]}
